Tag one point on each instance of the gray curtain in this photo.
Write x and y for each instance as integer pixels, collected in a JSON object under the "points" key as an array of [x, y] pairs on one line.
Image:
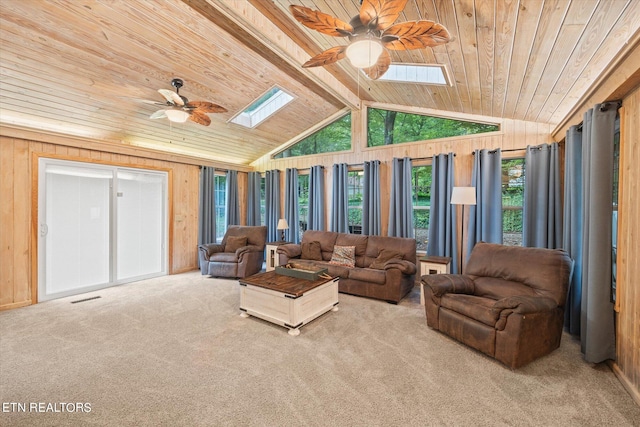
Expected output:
{"points": [[207, 208], [340, 199], [371, 222], [272, 204], [253, 198], [597, 331], [542, 206], [291, 207], [485, 218], [233, 205], [443, 238], [401, 202], [316, 198], [572, 230]]}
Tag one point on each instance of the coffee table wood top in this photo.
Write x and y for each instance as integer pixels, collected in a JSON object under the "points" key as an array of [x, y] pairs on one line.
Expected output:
{"points": [[281, 283]]}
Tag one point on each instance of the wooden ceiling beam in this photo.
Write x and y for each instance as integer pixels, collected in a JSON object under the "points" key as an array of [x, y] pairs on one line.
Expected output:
{"points": [[251, 28]]}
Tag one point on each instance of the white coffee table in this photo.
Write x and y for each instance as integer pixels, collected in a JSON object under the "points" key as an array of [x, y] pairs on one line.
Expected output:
{"points": [[287, 301]]}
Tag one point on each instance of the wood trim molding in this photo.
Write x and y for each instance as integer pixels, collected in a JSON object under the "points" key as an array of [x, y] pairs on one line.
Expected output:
{"points": [[113, 147], [625, 381]]}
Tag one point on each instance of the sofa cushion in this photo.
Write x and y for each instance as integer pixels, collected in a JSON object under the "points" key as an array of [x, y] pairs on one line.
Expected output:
{"points": [[368, 275], [384, 256], [344, 255], [474, 307], [357, 240], [311, 250], [327, 240], [234, 243]]}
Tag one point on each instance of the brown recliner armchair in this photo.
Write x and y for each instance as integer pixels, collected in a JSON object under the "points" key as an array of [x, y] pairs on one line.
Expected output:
{"points": [[240, 254], [509, 304]]}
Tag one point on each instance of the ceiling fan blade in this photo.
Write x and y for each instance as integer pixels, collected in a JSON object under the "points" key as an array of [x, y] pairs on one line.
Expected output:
{"points": [[379, 14], [316, 20], [200, 118], [147, 101], [327, 57], [171, 97], [160, 114], [206, 107], [380, 67], [415, 35]]}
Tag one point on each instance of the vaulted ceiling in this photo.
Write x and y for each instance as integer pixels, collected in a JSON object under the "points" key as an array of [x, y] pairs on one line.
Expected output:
{"points": [[82, 67]]}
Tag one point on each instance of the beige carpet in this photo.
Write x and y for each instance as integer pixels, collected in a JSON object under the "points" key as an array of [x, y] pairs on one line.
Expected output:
{"points": [[173, 351]]}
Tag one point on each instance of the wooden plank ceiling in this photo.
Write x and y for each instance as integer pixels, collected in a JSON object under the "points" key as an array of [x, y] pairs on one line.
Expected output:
{"points": [[81, 67]]}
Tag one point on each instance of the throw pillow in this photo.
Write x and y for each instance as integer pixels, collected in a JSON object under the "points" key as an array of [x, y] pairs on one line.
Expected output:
{"points": [[234, 243], [384, 256], [311, 250], [344, 255]]}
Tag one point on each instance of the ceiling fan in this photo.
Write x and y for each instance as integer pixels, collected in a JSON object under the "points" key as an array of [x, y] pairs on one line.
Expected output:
{"points": [[371, 35], [179, 109]]}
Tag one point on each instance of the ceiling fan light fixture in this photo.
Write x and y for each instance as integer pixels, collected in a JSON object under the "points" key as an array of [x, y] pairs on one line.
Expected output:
{"points": [[364, 53], [177, 116]]}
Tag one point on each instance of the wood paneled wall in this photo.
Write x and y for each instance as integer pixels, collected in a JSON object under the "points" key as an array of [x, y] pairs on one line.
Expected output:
{"points": [[628, 300], [18, 197], [513, 135]]}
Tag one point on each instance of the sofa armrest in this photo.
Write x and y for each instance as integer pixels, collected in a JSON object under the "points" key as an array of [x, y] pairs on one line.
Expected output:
{"points": [[441, 284], [209, 249], [291, 250], [406, 267], [525, 304]]}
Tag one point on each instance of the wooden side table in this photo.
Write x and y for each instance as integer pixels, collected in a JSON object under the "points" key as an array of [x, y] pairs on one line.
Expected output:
{"points": [[433, 265], [273, 260]]}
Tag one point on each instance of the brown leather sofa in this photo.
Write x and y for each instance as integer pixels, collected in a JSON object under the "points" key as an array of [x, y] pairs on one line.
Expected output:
{"points": [[509, 304], [240, 254], [390, 280]]}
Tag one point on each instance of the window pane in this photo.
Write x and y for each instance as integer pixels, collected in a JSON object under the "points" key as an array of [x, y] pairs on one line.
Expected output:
{"points": [[385, 127], [513, 173], [354, 194], [421, 183], [303, 203], [333, 137], [221, 206], [263, 198]]}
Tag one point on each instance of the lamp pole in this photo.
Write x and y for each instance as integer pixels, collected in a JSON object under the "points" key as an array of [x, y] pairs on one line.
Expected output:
{"points": [[463, 196]]}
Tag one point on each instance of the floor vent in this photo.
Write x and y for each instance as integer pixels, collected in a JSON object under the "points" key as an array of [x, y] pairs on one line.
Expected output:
{"points": [[83, 300]]}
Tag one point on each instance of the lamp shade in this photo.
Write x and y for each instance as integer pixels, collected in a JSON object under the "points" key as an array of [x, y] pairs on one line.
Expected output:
{"points": [[364, 53], [178, 116], [463, 196], [282, 224]]}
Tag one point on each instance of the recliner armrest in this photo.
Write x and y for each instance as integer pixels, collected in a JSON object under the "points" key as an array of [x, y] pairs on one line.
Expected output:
{"points": [[525, 304], [210, 248], [247, 249], [406, 267], [441, 284]]}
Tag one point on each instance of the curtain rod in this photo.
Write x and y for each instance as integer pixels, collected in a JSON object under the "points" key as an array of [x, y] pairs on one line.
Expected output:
{"points": [[503, 151]]}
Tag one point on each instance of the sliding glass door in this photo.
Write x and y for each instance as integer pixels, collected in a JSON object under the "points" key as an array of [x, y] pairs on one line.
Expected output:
{"points": [[98, 226]]}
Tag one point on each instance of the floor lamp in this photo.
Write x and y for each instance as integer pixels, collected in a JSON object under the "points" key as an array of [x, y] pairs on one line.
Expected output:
{"points": [[463, 196]]}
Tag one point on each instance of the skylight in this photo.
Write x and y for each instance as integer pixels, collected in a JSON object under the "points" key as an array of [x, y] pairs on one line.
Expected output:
{"points": [[265, 106], [416, 73]]}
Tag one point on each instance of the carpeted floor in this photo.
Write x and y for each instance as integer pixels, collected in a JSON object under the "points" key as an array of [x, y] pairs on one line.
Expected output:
{"points": [[173, 351]]}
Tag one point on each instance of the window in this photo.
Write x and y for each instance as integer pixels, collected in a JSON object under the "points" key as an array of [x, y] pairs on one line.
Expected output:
{"points": [[303, 203], [421, 191], [513, 173], [354, 193], [263, 198], [333, 137], [220, 192], [416, 73], [386, 127], [263, 108]]}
